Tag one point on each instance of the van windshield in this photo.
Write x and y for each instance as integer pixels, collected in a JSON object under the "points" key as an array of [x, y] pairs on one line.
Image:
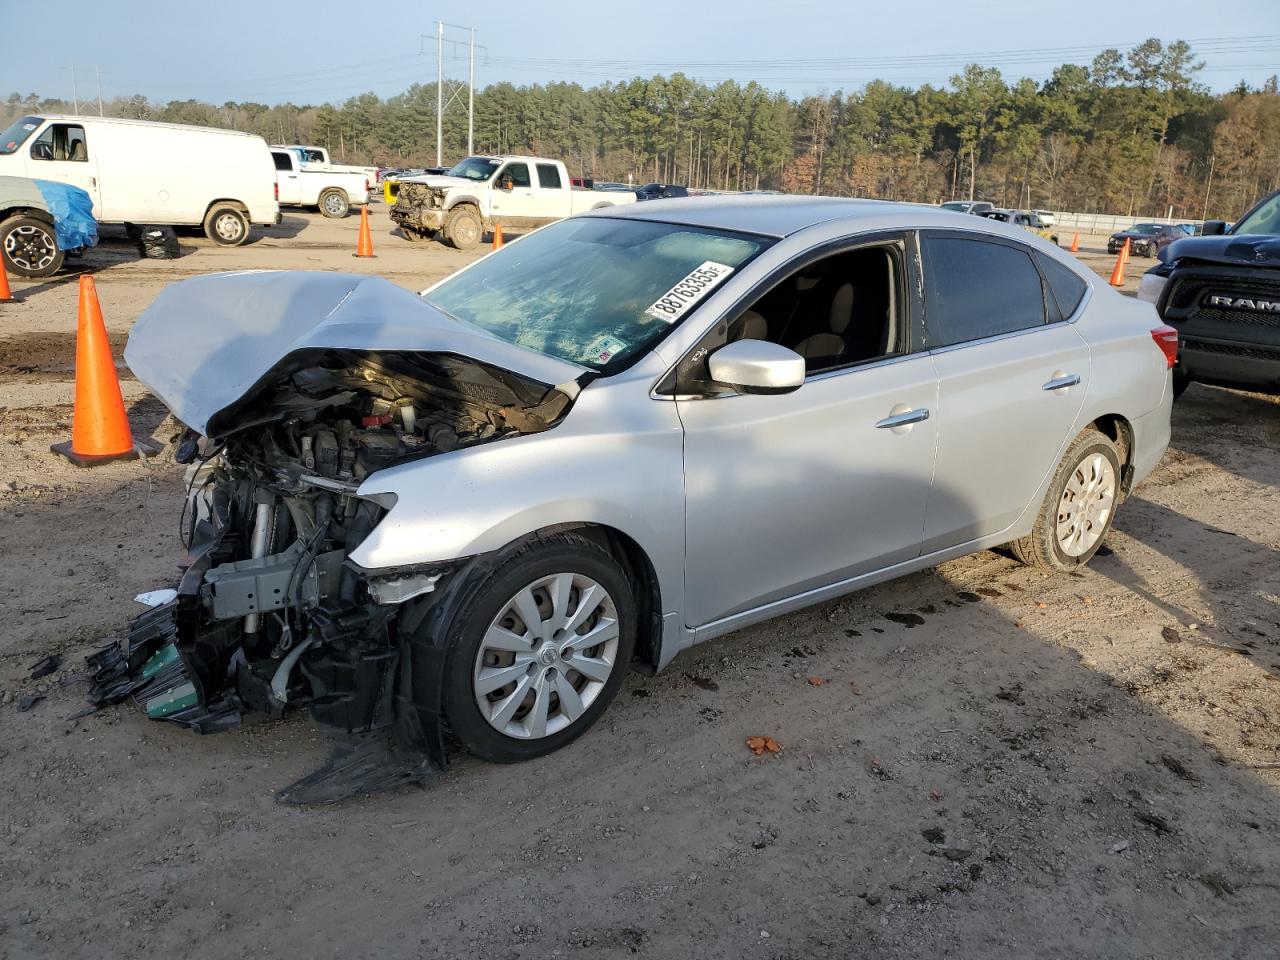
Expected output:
{"points": [[18, 132]]}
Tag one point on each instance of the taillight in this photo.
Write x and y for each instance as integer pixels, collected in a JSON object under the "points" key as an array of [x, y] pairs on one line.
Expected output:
{"points": [[1166, 339], [277, 186]]}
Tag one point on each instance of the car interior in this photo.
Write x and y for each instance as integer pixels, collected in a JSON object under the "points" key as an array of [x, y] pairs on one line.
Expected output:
{"points": [[838, 311]]}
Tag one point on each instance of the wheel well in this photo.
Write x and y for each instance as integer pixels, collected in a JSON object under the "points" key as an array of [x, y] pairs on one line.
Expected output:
{"points": [[334, 190], [1118, 430], [640, 573], [227, 203], [34, 212]]}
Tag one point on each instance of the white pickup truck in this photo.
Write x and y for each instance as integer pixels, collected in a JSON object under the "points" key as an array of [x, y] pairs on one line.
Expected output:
{"points": [[333, 191], [483, 192], [317, 158]]}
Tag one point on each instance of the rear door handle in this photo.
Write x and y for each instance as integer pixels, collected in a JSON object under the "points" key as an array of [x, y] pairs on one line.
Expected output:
{"points": [[1062, 382], [903, 419]]}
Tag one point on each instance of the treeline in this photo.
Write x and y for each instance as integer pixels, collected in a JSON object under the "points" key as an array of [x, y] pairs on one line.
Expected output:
{"points": [[1131, 133]]}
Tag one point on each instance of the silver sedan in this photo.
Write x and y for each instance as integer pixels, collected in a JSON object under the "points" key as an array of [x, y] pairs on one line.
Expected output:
{"points": [[620, 436]]}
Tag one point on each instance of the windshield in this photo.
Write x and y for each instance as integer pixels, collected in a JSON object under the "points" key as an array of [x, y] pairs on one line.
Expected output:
{"points": [[1144, 228], [962, 206], [476, 168], [18, 132], [1264, 219], [594, 291]]}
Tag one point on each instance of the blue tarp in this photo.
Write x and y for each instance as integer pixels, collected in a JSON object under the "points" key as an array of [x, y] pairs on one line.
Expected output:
{"points": [[72, 210]]}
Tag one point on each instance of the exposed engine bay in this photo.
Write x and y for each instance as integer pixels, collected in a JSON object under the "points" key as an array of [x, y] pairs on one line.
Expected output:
{"points": [[270, 612]]}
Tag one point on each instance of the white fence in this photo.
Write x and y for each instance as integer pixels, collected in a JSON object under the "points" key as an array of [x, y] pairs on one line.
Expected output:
{"points": [[1105, 222]]}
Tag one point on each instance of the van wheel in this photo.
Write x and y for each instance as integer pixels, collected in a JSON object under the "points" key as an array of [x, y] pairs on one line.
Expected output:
{"points": [[463, 228], [30, 247], [334, 203], [226, 226]]}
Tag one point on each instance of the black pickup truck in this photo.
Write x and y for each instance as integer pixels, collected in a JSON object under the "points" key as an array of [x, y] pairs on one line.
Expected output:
{"points": [[1221, 292]]}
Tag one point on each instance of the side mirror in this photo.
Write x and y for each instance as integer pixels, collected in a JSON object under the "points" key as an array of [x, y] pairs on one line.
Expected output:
{"points": [[1213, 228], [757, 366]]}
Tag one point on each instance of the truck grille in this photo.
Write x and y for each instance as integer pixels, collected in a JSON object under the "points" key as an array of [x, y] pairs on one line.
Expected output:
{"points": [[1183, 302]]}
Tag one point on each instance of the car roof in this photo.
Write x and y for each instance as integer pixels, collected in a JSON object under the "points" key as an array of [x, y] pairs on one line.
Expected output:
{"points": [[784, 215]]}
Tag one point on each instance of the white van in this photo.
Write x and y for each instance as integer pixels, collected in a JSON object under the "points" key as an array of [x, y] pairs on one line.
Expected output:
{"points": [[151, 173]]}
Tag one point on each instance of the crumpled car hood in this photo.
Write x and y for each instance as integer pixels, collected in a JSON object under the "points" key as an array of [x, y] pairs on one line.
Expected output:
{"points": [[1253, 250], [206, 342]]}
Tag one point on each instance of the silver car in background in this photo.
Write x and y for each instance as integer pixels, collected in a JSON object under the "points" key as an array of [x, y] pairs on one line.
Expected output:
{"points": [[610, 440]]}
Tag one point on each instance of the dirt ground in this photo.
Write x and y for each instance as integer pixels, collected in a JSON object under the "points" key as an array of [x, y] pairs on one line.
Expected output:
{"points": [[994, 763]]}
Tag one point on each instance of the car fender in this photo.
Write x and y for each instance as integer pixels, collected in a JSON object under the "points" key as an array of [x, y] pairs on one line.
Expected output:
{"points": [[603, 464], [451, 200]]}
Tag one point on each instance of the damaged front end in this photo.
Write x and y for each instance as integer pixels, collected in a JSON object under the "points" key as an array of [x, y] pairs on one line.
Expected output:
{"points": [[270, 611], [419, 209]]}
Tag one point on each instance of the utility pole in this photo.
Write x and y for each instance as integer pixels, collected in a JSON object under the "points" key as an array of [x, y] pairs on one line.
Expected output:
{"points": [[1208, 186], [471, 97], [98, 70], [75, 97], [439, 93]]}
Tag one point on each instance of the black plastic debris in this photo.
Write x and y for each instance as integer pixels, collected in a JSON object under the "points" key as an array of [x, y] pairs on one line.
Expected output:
{"points": [[159, 243], [29, 701], [360, 763], [45, 666]]}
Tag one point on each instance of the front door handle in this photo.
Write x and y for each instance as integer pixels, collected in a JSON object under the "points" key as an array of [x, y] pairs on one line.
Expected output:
{"points": [[1062, 381], [903, 419]]}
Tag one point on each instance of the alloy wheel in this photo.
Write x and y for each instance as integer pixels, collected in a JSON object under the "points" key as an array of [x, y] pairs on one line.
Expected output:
{"points": [[30, 248]]}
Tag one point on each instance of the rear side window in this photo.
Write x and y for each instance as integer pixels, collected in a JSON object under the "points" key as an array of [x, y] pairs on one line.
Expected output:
{"points": [[549, 176], [1064, 286], [978, 289], [282, 161]]}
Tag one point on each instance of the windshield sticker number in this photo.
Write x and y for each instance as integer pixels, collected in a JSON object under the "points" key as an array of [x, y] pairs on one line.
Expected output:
{"points": [[684, 296]]}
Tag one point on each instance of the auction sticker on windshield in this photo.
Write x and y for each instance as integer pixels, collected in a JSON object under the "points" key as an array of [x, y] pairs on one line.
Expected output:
{"points": [[684, 296]]}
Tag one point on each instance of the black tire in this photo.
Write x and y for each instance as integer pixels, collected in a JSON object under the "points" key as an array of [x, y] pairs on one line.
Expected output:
{"points": [[1181, 380], [29, 246], [463, 227], [226, 225], [334, 203], [486, 598], [417, 236], [1040, 548]]}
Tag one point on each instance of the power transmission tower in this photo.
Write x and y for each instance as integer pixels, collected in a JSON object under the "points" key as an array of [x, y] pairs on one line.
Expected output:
{"points": [[443, 104]]}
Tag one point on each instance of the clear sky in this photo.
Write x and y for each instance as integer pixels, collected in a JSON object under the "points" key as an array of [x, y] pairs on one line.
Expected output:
{"points": [[312, 51]]}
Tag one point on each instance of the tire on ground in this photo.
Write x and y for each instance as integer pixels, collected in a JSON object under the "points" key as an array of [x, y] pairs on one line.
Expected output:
{"points": [[227, 225], [29, 246], [484, 599], [334, 203], [463, 227], [1040, 548]]}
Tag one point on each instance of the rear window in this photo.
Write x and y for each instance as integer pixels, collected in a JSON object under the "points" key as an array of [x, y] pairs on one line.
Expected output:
{"points": [[549, 176], [978, 289], [282, 161], [18, 132], [1064, 285]]}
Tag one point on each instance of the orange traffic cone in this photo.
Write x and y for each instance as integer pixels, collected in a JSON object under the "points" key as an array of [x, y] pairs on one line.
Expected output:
{"points": [[99, 425], [6, 295], [1117, 272], [1075, 242], [364, 246], [497, 235]]}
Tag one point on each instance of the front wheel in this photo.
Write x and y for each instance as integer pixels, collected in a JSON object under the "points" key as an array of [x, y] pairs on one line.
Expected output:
{"points": [[227, 226], [1078, 508], [538, 649], [463, 228], [30, 247], [334, 203]]}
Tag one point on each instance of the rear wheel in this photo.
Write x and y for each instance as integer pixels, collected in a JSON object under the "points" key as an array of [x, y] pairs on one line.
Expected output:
{"points": [[538, 649], [1078, 507], [334, 203], [462, 227], [30, 247], [226, 225]]}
